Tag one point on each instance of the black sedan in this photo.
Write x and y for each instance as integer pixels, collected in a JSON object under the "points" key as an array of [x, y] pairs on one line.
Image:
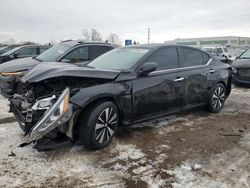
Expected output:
{"points": [[124, 86], [22, 52], [68, 52], [241, 69]]}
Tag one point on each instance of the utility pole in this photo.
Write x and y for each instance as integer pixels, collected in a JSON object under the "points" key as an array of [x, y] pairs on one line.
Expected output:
{"points": [[148, 35]]}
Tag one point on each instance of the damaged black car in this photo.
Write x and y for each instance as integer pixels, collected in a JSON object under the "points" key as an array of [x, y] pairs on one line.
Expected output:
{"points": [[127, 85]]}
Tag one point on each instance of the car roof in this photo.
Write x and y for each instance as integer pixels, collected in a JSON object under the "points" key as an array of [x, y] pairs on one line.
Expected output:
{"points": [[78, 42], [157, 45]]}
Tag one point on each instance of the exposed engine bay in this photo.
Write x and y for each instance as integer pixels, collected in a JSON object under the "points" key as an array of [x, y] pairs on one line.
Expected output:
{"points": [[43, 109]]}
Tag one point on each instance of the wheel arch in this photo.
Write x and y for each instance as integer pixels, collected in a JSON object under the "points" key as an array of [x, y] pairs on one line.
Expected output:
{"points": [[228, 85], [84, 110]]}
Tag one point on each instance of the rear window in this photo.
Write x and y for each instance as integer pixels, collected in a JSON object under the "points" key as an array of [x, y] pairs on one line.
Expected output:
{"points": [[191, 57], [205, 58], [43, 49], [96, 51]]}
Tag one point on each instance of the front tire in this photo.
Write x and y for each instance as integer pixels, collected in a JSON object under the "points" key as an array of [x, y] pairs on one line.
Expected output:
{"points": [[217, 98], [98, 126]]}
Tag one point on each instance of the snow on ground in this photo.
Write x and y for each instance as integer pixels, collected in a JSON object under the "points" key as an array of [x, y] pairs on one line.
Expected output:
{"points": [[193, 149], [228, 169], [3, 105]]}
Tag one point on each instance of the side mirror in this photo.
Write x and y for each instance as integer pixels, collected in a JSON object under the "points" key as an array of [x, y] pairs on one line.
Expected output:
{"points": [[15, 55], [65, 61], [147, 68]]}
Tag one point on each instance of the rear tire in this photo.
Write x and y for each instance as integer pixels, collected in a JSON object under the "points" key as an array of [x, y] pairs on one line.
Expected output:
{"points": [[98, 126], [217, 98]]}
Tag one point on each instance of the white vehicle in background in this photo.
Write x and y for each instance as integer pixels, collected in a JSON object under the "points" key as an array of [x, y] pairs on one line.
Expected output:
{"points": [[236, 52], [221, 50]]}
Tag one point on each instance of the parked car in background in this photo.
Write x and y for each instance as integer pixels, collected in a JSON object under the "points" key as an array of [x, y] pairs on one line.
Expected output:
{"points": [[217, 56], [124, 86], [236, 52], [2, 47], [220, 50], [22, 52], [7, 48], [241, 69], [75, 52]]}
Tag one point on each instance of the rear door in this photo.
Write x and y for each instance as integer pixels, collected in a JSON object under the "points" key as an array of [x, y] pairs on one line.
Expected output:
{"points": [[194, 70], [162, 90]]}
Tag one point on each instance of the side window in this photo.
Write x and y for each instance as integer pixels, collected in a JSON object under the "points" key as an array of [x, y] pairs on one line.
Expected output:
{"points": [[191, 57], [219, 50], [166, 58], [27, 51], [42, 49], [205, 58], [78, 55], [96, 51]]}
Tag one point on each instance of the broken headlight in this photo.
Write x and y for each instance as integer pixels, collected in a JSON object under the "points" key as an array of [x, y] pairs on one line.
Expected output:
{"points": [[55, 115], [44, 104]]}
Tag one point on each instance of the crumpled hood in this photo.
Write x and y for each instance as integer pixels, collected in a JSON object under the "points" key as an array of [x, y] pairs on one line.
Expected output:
{"points": [[44, 71], [241, 63], [18, 65]]}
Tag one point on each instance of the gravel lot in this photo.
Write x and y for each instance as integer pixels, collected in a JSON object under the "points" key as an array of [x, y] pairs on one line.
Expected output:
{"points": [[193, 149]]}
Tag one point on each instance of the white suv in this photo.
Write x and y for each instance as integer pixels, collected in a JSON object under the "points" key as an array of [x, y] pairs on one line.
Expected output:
{"points": [[221, 50]]}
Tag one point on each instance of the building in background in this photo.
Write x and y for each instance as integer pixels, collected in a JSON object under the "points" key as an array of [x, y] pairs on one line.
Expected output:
{"points": [[231, 41]]}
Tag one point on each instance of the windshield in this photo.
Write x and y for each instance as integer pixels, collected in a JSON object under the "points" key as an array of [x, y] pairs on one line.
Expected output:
{"points": [[53, 53], [246, 55], [119, 59], [6, 49]]}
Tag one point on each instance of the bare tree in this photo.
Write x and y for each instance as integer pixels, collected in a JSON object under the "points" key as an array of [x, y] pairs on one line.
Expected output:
{"points": [[91, 35], [86, 35], [52, 42], [27, 43], [113, 38], [10, 41]]}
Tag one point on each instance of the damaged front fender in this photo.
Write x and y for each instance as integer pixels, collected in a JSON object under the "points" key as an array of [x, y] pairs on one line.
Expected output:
{"points": [[87, 95]]}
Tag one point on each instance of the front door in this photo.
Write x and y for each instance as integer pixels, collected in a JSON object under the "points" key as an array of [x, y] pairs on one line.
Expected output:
{"points": [[162, 90]]}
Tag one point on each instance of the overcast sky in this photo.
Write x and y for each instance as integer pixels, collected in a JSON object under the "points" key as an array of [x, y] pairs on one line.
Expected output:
{"points": [[42, 20]]}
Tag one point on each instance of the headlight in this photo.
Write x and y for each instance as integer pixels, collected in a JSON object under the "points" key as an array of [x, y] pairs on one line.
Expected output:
{"points": [[12, 73], [54, 116], [44, 104]]}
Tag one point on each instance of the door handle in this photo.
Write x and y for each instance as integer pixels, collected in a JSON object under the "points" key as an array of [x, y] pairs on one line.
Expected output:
{"points": [[179, 79], [211, 70]]}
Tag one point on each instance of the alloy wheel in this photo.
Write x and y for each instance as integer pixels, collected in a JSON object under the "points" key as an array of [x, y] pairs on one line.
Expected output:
{"points": [[218, 98], [106, 124]]}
